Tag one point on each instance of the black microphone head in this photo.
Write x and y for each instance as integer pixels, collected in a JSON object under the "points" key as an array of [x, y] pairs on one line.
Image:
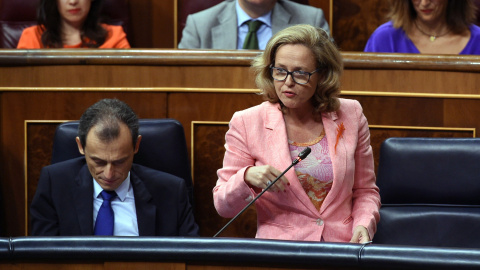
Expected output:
{"points": [[304, 153]]}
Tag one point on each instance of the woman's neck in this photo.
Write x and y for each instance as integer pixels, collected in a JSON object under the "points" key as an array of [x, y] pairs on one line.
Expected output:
{"points": [[300, 115], [435, 29], [302, 125], [71, 34]]}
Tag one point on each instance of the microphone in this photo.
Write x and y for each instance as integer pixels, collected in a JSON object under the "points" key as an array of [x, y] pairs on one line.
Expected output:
{"points": [[299, 158]]}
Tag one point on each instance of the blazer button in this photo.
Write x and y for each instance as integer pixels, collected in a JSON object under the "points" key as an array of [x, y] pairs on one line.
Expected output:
{"points": [[319, 222]]}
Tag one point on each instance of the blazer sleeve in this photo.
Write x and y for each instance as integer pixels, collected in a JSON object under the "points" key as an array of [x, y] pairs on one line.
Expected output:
{"points": [[378, 42], [190, 36], [385, 39], [116, 38], [186, 220], [366, 197], [30, 39], [231, 194], [44, 218]]}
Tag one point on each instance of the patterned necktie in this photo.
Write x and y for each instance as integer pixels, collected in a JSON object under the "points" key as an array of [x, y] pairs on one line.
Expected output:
{"points": [[105, 216], [251, 40]]}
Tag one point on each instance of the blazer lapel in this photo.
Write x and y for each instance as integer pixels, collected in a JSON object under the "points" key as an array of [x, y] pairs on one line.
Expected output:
{"points": [[146, 211], [277, 136], [222, 34], [82, 191], [337, 155]]}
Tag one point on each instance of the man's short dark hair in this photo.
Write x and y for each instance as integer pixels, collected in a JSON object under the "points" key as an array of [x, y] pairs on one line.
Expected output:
{"points": [[108, 114]]}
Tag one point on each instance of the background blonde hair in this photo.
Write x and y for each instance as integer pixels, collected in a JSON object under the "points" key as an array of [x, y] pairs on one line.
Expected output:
{"points": [[460, 14], [328, 60]]}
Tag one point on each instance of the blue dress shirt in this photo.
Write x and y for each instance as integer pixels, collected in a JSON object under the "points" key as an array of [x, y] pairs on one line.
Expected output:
{"points": [[264, 33]]}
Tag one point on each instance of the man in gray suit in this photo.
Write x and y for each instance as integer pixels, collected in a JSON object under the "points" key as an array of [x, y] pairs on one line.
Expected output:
{"points": [[224, 26]]}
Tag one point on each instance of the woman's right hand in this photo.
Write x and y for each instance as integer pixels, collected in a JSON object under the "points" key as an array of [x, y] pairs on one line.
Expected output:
{"points": [[261, 176]]}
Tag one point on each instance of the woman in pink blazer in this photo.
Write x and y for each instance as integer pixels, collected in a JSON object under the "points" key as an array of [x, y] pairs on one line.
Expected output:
{"points": [[331, 195]]}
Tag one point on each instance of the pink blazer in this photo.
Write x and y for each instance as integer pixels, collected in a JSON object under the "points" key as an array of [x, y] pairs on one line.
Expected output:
{"points": [[257, 136]]}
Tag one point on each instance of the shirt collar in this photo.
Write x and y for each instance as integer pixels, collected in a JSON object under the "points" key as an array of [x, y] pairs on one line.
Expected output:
{"points": [[121, 191], [243, 17]]}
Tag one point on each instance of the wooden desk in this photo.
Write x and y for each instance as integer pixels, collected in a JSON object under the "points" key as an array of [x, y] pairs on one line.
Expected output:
{"points": [[402, 95]]}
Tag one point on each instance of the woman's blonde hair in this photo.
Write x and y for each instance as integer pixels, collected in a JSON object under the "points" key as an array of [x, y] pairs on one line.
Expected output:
{"points": [[328, 60], [460, 14]]}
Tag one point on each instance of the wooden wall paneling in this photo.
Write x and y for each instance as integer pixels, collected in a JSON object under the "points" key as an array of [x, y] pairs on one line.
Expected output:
{"points": [[39, 142], [163, 14], [129, 76], [421, 111], [355, 20], [394, 90], [208, 139], [206, 143], [208, 106], [462, 112], [229, 69], [152, 23], [416, 117], [411, 81], [402, 111], [142, 23], [12, 169]]}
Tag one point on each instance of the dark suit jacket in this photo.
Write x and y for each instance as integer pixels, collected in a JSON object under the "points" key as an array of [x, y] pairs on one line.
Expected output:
{"points": [[63, 202]]}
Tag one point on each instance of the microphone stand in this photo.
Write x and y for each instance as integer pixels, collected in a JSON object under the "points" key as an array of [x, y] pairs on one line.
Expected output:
{"points": [[300, 157]]}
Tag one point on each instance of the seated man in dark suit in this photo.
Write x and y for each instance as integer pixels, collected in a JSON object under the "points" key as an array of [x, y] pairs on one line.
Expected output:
{"points": [[104, 193]]}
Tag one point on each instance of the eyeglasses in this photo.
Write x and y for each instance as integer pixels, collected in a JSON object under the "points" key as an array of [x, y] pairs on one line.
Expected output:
{"points": [[298, 76]]}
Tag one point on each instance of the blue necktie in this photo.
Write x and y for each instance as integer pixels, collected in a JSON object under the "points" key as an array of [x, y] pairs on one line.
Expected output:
{"points": [[105, 216]]}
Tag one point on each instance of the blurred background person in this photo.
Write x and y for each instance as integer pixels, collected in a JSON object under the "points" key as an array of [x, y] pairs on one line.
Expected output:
{"points": [[331, 195], [227, 25], [428, 26], [72, 24]]}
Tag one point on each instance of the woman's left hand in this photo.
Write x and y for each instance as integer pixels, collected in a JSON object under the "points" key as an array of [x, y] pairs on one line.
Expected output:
{"points": [[360, 235]]}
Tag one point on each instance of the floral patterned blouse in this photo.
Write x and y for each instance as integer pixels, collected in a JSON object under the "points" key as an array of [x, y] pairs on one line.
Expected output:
{"points": [[315, 172]]}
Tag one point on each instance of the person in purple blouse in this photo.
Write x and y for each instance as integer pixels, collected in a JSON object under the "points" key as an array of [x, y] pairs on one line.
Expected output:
{"points": [[428, 26]]}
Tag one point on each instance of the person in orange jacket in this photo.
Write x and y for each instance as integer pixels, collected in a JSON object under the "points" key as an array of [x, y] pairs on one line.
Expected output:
{"points": [[72, 24]]}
